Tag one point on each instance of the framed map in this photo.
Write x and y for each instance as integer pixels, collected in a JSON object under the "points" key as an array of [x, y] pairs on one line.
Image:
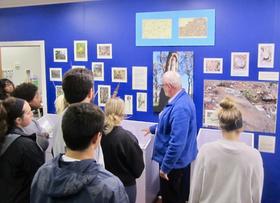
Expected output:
{"points": [[176, 28]]}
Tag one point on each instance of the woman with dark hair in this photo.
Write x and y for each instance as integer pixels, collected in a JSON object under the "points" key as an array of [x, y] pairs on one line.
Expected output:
{"points": [[6, 88], [20, 154]]}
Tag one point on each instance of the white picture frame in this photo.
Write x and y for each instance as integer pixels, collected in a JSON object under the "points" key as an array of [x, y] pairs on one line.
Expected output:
{"points": [[211, 118], [213, 65], [98, 70], [139, 78], [78, 66], [128, 101], [60, 55], [266, 55], [104, 93], [141, 101], [56, 74], [58, 90], [119, 74], [240, 64], [80, 50], [104, 51]]}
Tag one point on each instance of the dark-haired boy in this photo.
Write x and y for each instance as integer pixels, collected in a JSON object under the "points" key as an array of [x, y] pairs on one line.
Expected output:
{"points": [[77, 86], [75, 176]]}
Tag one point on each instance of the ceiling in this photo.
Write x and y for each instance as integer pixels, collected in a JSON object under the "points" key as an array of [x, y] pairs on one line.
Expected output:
{"points": [[20, 3]]}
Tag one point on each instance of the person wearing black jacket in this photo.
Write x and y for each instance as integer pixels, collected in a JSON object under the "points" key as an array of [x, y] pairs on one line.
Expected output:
{"points": [[20, 154], [122, 155]]}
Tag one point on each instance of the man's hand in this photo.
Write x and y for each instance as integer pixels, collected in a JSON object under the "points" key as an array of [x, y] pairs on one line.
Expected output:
{"points": [[146, 131], [163, 175]]}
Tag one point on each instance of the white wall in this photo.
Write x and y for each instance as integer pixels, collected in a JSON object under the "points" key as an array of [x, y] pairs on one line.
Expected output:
{"points": [[19, 59]]}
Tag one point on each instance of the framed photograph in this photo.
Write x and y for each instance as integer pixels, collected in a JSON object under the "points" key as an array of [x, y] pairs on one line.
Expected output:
{"points": [[80, 50], [141, 101], [213, 65], [104, 94], [119, 74], [98, 71], [60, 55], [78, 66], [128, 100], [55, 74], [211, 118], [266, 55], [240, 64], [58, 90], [104, 51], [163, 61], [257, 102]]}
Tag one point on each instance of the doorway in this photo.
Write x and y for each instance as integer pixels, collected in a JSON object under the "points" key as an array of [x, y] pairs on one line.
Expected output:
{"points": [[24, 61]]}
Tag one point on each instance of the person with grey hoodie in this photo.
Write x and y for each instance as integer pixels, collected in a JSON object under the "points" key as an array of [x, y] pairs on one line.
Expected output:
{"points": [[76, 176]]}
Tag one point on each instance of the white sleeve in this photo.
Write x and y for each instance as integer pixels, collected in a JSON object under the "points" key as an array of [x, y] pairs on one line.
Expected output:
{"points": [[58, 144], [257, 182], [99, 156], [197, 179]]}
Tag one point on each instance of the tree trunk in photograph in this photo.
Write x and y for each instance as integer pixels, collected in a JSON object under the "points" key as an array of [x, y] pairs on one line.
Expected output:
{"points": [[1, 72]]}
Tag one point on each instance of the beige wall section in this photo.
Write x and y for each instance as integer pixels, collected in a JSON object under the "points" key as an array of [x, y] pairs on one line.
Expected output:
{"points": [[1, 73], [19, 59]]}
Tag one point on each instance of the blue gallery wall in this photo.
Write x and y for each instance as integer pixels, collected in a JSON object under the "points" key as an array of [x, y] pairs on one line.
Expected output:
{"points": [[240, 26]]}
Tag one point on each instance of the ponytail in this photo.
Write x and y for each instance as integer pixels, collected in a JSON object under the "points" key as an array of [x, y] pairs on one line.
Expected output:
{"points": [[114, 113], [230, 118]]}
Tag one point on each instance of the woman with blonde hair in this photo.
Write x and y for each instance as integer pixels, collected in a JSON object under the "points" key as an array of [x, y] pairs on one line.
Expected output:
{"points": [[227, 170], [60, 104], [122, 155]]}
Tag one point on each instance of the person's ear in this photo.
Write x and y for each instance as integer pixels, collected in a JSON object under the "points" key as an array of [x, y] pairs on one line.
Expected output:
{"points": [[95, 141], [18, 121], [90, 94]]}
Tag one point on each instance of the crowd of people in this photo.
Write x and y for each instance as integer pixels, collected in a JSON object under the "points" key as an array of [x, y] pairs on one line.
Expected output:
{"points": [[96, 160]]}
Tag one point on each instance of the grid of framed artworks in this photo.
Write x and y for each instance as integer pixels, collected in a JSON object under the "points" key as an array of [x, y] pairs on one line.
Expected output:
{"points": [[182, 62], [257, 100], [118, 75], [240, 61]]}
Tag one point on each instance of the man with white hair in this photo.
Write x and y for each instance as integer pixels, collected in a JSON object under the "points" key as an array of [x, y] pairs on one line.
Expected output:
{"points": [[175, 142]]}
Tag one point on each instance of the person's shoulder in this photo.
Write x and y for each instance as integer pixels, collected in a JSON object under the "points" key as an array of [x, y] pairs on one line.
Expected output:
{"points": [[129, 135], [209, 150], [208, 147], [47, 167], [184, 102], [107, 179], [124, 134], [25, 142], [107, 186], [252, 153]]}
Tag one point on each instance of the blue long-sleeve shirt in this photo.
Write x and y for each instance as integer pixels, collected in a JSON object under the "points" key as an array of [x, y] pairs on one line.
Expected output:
{"points": [[175, 143]]}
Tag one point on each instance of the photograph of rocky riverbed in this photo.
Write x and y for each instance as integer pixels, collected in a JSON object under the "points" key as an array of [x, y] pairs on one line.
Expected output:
{"points": [[257, 102]]}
